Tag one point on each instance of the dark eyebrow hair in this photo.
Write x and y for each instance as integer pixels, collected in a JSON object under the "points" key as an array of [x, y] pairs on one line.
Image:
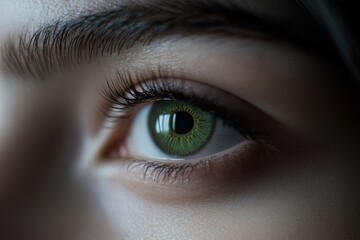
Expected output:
{"points": [[112, 31]]}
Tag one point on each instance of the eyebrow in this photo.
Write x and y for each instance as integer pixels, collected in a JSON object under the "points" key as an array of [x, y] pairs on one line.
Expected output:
{"points": [[68, 43]]}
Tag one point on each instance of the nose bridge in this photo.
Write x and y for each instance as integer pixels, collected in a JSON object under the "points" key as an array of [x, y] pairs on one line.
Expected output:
{"points": [[37, 148]]}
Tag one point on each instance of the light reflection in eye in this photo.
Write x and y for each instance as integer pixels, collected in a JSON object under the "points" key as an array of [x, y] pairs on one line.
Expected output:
{"points": [[161, 126]]}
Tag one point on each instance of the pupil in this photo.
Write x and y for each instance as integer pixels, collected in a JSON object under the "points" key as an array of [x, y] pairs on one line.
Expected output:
{"points": [[182, 122]]}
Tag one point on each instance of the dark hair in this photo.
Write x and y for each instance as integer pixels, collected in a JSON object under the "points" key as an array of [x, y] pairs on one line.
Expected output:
{"points": [[339, 21]]}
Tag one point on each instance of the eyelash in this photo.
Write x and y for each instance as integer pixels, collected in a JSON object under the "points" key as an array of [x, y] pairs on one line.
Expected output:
{"points": [[126, 91]]}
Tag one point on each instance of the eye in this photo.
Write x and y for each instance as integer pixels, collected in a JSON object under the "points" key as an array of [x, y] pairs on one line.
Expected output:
{"points": [[176, 129], [170, 130]]}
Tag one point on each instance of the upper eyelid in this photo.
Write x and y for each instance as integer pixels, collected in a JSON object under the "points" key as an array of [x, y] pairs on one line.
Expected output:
{"points": [[68, 43], [152, 85]]}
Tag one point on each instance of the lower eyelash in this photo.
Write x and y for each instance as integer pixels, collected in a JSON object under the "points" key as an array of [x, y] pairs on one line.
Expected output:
{"points": [[223, 165], [161, 172]]}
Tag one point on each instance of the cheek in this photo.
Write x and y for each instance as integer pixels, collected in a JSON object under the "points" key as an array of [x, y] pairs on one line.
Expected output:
{"points": [[310, 199]]}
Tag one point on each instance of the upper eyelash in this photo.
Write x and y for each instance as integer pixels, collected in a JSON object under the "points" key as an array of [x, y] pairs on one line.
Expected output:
{"points": [[124, 92]]}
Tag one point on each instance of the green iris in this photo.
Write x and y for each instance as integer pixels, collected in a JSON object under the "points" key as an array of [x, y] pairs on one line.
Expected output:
{"points": [[179, 128]]}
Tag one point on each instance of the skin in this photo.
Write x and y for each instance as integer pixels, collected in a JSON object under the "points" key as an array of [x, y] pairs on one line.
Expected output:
{"points": [[55, 182]]}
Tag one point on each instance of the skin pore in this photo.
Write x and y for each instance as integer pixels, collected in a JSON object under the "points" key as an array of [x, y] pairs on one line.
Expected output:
{"points": [[59, 178]]}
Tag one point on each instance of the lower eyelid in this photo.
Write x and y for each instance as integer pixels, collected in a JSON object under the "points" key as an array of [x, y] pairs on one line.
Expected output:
{"points": [[193, 179]]}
